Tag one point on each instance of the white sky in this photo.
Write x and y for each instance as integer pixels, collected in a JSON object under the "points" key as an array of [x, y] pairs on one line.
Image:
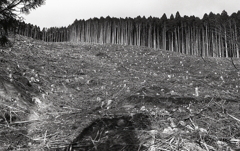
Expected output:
{"points": [[57, 13]]}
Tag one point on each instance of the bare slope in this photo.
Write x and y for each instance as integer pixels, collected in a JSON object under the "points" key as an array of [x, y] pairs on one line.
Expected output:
{"points": [[165, 100]]}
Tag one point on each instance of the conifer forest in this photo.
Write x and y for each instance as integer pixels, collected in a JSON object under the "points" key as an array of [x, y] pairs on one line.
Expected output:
{"points": [[215, 35]]}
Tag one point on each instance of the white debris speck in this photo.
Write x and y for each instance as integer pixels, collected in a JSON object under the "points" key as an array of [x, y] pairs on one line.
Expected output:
{"points": [[190, 127], [203, 130], [196, 91], [109, 102], [36, 100], [99, 99], [143, 108], [182, 123], [168, 131], [221, 77]]}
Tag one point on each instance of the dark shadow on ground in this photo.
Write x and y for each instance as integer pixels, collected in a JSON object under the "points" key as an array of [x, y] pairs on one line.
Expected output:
{"points": [[111, 134]]}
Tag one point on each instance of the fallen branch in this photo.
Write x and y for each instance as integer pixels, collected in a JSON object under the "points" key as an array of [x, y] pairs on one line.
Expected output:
{"points": [[22, 122], [233, 117]]}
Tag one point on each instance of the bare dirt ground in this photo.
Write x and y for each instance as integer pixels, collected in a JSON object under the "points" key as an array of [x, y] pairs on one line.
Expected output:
{"points": [[66, 96]]}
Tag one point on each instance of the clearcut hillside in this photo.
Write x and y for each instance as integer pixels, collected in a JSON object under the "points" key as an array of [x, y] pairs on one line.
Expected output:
{"points": [[87, 96]]}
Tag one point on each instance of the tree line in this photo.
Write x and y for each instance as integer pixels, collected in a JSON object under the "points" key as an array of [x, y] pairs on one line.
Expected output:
{"points": [[215, 35], [52, 34]]}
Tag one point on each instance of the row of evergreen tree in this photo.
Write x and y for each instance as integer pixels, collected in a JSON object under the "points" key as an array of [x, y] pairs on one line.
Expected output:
{"points": [[215, 35]]}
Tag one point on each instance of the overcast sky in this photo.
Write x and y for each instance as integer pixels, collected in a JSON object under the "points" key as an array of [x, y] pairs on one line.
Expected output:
{"points": [[57, 13]]}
